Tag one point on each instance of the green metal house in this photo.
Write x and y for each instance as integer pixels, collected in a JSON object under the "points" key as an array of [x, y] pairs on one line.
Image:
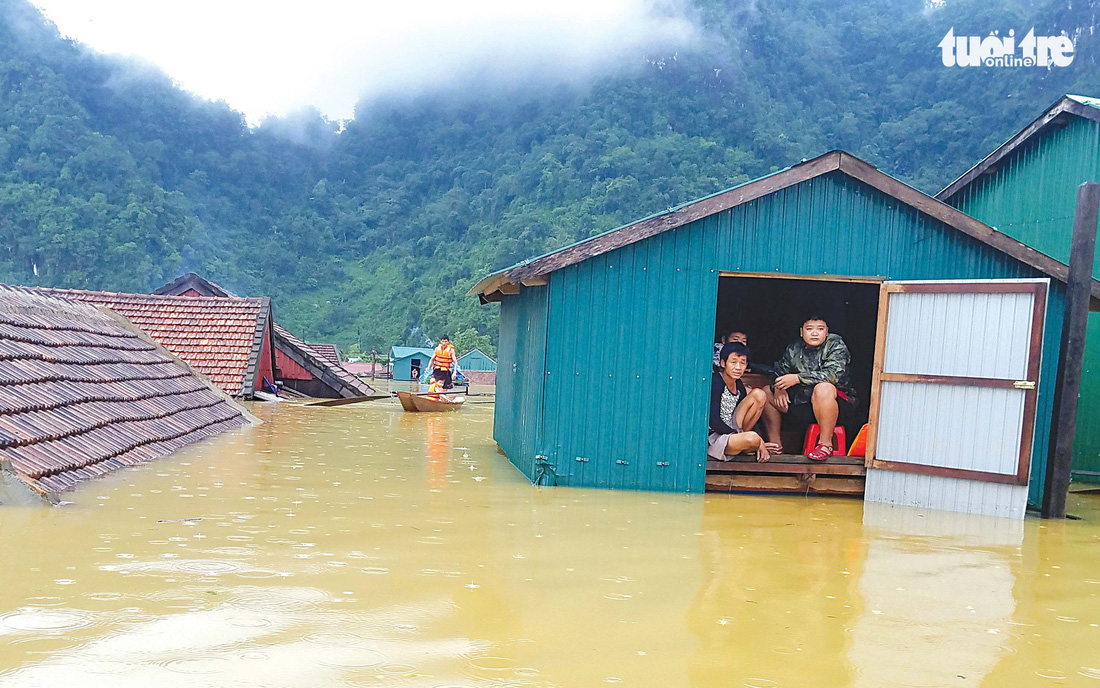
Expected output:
{"points": [[477, 360], [605, 350], [409, 361], [1027, 189]]}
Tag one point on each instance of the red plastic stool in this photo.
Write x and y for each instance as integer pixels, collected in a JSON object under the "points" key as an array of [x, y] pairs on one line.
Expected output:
{"points": [[839, 441]]}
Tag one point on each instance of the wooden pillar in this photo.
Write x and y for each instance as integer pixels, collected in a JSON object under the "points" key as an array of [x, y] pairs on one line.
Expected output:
{"points": [[372, 354], [1071, 362]]}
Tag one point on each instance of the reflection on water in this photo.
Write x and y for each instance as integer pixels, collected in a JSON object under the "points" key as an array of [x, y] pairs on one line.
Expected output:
{"points": [[357, 545], [934, 579]]}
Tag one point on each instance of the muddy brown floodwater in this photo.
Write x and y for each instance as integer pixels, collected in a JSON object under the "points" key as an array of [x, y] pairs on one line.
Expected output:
{"points": [[359, 546]]}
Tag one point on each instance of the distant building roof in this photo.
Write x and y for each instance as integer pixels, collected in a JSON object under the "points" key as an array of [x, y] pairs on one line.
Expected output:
{"points": [[335, 376], [325, 366], [221, 337], [193, 285], [1054, 116], [535, 271], [83, 392], [474, 352], [406, 351], [327, 351]]}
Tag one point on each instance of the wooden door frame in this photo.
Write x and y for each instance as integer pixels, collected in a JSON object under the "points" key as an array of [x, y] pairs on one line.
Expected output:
{"points": [[1039, 290]]}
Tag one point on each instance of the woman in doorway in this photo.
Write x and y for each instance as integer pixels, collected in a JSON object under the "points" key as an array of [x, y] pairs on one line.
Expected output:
{"points": [[733, 407]]}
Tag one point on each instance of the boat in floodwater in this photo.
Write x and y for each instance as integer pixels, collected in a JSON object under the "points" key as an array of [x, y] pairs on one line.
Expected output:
{"points": [[421, 403]]}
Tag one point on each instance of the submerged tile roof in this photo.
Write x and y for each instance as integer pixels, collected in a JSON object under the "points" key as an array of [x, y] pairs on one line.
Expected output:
{"points": [[218, 336], [329, 352], [82, 393], [335, 376]]}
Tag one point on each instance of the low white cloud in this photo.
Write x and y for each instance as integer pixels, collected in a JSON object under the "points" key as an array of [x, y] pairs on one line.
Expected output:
{"points": [[271, 57]]}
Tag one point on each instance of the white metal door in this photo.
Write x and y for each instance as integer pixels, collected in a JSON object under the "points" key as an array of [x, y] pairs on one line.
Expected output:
{"points": [[953, 400]]}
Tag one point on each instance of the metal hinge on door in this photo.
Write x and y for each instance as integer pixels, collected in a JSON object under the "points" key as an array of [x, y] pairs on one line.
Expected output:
{"points": [[1023, 384]]}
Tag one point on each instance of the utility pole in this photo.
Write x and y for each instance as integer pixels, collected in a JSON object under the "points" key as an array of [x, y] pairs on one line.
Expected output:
{"points": [[1071, 362]]}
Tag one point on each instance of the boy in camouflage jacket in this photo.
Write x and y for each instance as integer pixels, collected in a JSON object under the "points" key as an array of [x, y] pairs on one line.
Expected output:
{"points": [[813, 383]]}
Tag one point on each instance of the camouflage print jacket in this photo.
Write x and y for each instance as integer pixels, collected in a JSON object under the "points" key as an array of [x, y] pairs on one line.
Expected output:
{"points": [[826, 363]]}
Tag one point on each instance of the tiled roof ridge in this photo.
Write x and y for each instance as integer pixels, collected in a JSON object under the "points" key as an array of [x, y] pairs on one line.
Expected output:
{"points": [[66, 361], [104, 399], [63, 378], [5, 442], [43, 324], [59, 292], [27, 339], [54, 470]]}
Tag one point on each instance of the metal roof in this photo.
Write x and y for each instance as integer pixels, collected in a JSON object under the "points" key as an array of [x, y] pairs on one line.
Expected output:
{"points": [[1066, 106], [534, 271], [475, 350], [405, 351]]}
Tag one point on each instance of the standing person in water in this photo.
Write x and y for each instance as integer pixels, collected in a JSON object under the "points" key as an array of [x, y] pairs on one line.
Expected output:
{"points": [[733, 408], [443, 361], [813, 383]]}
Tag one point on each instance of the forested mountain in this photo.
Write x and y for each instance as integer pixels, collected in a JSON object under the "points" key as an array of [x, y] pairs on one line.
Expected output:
{"points": [[369, 232]]}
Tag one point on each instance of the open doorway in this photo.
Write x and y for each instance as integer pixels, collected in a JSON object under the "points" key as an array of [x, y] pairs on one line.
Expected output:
{"points": [[770, 309]]}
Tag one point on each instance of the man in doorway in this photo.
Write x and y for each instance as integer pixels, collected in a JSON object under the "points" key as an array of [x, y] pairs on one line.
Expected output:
{"points": [[813, 383], [771, 416], [443, 361], [734, 410]]}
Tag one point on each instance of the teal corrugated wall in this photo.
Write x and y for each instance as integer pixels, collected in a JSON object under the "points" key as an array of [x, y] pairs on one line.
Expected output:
{"points": [[629, 334], [517, 420], [477, 361], [1031, 197]]}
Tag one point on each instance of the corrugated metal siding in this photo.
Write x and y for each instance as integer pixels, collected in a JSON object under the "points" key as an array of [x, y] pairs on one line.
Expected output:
{"points": [[628, 359], [972, 335], [521, 366], [477, 361], [967, 496], [630, 332], [1031, 197]]}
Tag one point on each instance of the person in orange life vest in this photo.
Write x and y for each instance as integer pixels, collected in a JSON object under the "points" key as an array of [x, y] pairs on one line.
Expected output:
{"points": [[443, 361], [436, 388]]}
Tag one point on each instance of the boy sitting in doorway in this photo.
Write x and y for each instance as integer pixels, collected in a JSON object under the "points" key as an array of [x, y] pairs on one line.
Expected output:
{"points": [[772, 421], [813, 383], [733, 407]]}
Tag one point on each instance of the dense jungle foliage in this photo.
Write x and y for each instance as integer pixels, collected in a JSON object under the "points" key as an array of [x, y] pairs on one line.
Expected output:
{"points": [[369, 232]]}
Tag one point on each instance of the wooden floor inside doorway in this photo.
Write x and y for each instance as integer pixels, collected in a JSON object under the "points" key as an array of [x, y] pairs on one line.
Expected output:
{"points": [[787, 473]]}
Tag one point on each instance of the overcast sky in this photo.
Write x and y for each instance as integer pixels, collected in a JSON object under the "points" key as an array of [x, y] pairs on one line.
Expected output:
{"points": [[266, 56]]}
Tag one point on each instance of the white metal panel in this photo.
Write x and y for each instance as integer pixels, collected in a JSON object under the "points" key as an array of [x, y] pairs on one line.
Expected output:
{"points": [[956, 444], [964, 334], [953, 426], [950, 494]]}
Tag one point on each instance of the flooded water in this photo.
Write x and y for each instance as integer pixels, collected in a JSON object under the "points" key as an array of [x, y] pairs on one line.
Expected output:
{"points": [[359, 546]]}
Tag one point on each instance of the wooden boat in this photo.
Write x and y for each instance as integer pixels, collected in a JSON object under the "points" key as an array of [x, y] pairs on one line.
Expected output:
{"points": [[417, 402]]}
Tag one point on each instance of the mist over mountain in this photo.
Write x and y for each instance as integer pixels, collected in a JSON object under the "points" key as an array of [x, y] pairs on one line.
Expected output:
{"points": [[368, 232]]}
